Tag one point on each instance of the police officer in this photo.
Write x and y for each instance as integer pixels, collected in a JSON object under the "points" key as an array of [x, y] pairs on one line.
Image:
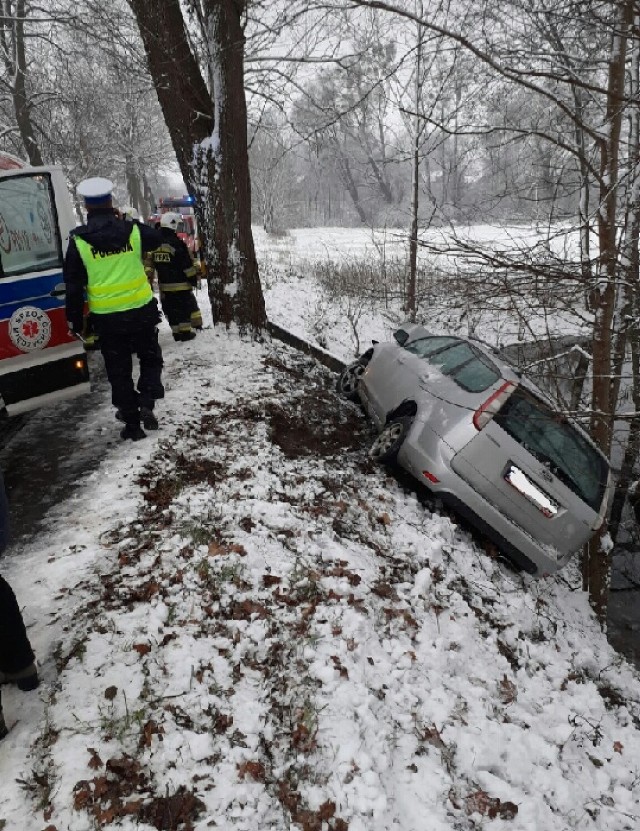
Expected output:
{"points": [[104, 262], [177, 277]]}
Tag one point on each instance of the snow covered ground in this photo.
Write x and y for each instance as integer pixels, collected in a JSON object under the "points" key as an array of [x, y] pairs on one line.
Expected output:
{"points": [[445, 305], [243, 624]]}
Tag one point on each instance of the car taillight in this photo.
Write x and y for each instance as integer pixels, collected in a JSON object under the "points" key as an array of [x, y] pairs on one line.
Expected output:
{"points": [[492, 405]]}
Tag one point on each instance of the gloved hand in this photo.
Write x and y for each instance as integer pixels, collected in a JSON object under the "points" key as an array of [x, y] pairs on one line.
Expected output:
{"points": [[92, 343]]}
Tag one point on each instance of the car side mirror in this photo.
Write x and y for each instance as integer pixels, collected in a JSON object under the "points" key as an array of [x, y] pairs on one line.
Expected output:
{"points": [[401, 336]]}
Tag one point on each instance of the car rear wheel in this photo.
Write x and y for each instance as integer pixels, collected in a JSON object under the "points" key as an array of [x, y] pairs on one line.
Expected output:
{"points": [[386, 447], [349, 379]]}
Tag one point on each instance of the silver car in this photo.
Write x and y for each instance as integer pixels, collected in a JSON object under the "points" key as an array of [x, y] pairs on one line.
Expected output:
{"points": [[486, 441]]}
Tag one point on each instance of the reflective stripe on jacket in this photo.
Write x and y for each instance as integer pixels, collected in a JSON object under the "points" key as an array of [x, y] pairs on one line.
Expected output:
{"points": [[165, 287], [116, 280]]}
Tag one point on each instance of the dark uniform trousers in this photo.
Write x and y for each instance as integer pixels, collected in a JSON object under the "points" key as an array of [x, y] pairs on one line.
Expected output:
{"points": [[181, 309], [15, 650], [118, 349]]}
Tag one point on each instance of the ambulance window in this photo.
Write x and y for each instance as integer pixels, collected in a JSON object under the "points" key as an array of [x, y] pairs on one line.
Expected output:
{"points": [[29, 237]]}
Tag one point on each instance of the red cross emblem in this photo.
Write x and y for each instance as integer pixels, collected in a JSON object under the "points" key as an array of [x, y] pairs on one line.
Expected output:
{"points": [[30, 328]]}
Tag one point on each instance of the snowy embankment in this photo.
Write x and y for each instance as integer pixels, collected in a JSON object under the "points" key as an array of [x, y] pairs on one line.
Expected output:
{"points": [[273, 634], [244, 624]]}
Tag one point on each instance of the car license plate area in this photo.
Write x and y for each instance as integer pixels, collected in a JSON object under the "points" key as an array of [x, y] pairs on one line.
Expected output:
{"points": [[519, 480]]}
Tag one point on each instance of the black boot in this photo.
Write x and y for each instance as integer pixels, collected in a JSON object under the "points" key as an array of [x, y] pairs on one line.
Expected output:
{"points": [[148, 419], [133, 432], [26, 679], [184, 336]]}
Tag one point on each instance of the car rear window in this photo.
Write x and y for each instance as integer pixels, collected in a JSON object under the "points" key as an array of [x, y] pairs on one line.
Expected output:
{"points": [[556, 443], [457, 359], [424, 347]]}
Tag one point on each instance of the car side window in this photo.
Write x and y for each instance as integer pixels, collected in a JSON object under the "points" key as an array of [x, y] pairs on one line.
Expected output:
{"points": [[476, 375], [458, 360], [450, 359]]}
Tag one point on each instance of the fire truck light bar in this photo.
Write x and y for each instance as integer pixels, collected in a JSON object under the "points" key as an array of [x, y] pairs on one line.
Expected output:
{"points": [[177, 202]]}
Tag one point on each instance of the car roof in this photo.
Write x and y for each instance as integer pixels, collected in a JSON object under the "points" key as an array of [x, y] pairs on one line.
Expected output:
{"points": [[416, 331], [510, 373]]}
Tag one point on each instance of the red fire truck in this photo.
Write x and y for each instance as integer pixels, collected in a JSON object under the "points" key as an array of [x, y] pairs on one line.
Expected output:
{"points": [[40, 362], [188, 230]]}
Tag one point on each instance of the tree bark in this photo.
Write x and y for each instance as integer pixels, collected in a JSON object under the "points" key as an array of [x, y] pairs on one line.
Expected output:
{"points": [[596, 561], [182, 92], [222, 163], [627, 330], [208, 128]]}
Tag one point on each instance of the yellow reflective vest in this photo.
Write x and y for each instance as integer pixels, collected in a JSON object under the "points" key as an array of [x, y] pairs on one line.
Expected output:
{"points": [[116, 280]]}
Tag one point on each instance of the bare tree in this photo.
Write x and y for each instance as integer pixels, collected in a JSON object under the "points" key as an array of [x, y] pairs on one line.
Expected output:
{"points": [[564, 85], [418, 130], [345, 110], [16, 17], [271, 169]]}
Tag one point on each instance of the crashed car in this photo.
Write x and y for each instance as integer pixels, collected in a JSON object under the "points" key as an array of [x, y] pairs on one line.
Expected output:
{"points": [[486, 440]]}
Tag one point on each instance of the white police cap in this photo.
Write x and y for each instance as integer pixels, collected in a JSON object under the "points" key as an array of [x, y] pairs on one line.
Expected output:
{"points": [[95, 189]]}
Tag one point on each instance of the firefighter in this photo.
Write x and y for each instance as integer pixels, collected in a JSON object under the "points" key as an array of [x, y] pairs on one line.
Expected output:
{"points": [[104, 260], [177, 277]]}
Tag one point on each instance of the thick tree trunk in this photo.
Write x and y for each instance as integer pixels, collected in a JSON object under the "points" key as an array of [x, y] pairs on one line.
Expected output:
{"points": [[208, 128], [222, 163], [182, 92]]}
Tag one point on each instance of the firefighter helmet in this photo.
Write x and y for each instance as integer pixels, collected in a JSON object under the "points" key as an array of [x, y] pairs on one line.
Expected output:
{"points": [[170, 220]]}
